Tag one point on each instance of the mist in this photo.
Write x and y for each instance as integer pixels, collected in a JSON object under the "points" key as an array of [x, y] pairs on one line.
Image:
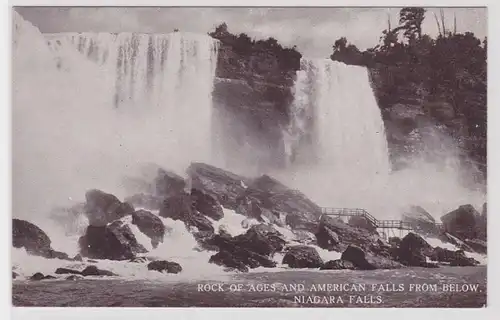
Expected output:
{"points": [[69, 136]]}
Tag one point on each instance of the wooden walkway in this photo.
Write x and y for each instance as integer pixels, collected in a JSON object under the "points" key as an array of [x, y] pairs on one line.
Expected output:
{"points": [[382, 224]]}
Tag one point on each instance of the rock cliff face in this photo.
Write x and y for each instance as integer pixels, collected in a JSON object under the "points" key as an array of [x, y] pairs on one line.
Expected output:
{"points": [[252, 95], [416, 120]]}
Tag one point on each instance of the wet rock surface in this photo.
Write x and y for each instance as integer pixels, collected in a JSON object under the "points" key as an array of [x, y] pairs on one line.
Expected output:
{"points": [[114, 241], [302, 257], [150, 225], [102, 208], [165, 266]]}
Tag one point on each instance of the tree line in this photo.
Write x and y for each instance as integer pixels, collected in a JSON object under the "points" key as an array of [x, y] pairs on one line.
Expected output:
{"points": [[450, 68]]}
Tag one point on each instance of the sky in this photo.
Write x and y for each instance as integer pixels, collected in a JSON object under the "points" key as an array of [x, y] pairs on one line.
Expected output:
{"points": [[313, 30]]}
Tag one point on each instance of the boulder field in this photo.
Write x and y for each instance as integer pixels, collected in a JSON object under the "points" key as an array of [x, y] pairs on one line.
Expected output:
{"points": [[199, 200]]}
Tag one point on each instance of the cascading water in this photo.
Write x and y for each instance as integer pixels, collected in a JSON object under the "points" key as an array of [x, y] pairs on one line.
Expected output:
{"points": [[168, 76], [337, 126], [339, 153]]}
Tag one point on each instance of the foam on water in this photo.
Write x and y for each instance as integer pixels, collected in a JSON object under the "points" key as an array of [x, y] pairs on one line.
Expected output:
{"points": [[233, 223], [483, 259]]}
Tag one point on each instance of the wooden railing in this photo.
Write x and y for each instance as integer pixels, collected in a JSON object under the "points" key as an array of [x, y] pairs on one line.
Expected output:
{"points": [[383, 224]]}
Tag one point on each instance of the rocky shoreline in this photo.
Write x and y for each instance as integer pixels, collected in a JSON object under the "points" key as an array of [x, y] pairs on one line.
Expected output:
{"points": [[268, 206]]}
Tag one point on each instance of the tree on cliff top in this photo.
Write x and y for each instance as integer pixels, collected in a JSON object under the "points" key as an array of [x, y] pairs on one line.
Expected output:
{"points": [[264, 57], [348, 53], [417, 70], [410, 22]]}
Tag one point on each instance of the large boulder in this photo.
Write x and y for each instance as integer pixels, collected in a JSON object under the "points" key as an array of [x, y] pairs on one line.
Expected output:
{"points": [[179, 207], [413, 251], [102, 208], [302, 257], [168, 183], [228, 260], [150, 225], [165, 266], [269, 199], [335, 235], [27, 235], [34, 240], [207, 205], [262, 239], [461, 222], [233, 253], [420, 220], [357, 257], [220, 184], [114, 241]]}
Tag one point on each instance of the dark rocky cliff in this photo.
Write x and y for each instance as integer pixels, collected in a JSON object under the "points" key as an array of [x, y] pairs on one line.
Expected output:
{"points": [[252, 94]]}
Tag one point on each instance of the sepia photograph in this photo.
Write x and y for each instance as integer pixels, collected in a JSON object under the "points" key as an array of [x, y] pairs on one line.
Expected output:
{"points": [[280, 157]]}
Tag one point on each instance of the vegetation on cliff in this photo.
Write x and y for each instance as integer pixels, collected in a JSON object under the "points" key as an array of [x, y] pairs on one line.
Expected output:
{"points": [[254, 60], [255, 86], [441, 79]]}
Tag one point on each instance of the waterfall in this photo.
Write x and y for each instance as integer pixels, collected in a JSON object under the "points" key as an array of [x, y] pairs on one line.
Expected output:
{"points": [[170, 76], [336, 119], [155, 70], [90, 109], [339, 153]]}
